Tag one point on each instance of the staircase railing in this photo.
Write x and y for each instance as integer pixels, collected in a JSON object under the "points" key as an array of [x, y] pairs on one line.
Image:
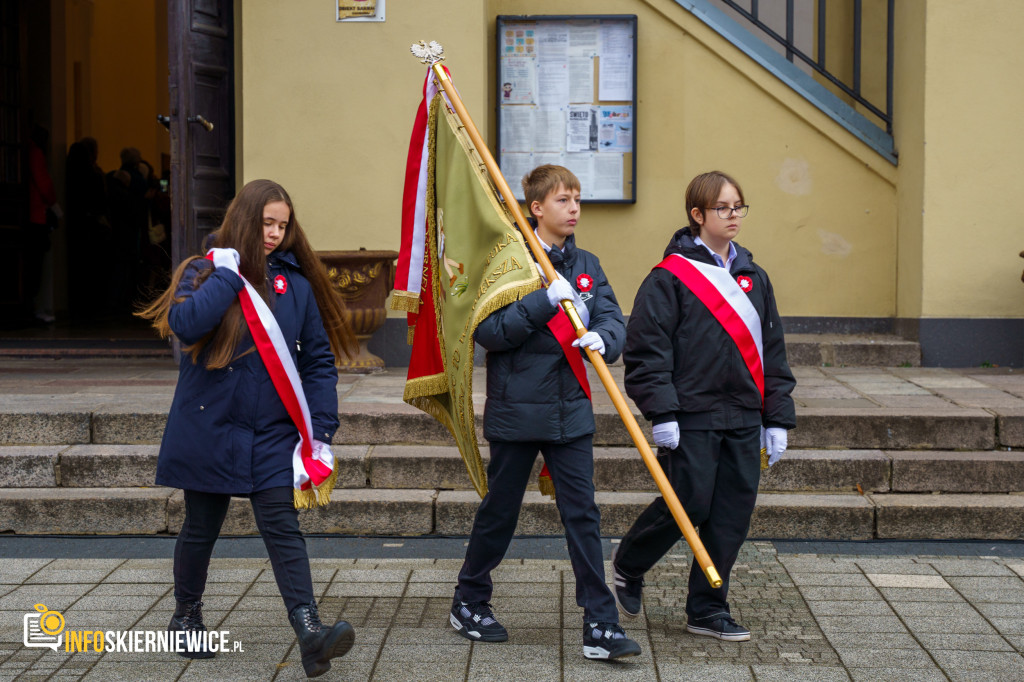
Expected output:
{"points": [[818, 63]]}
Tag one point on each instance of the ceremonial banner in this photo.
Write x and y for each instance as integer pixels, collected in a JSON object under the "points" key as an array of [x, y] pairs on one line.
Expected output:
{"points": [[474, 262]]}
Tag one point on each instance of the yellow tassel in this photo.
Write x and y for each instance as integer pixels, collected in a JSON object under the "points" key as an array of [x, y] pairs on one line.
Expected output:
{"points": [[764, 459], [316, 496], [546, 485]]}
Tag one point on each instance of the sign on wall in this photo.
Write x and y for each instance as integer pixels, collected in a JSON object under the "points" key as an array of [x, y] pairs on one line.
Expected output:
{"points": [[360, 10], [567, 96]]}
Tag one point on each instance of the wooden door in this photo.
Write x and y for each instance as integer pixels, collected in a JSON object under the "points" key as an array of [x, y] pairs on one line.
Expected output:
{"points": [[201, 60]]}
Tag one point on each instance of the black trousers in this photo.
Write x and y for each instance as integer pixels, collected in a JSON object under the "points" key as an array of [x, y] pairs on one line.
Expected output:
{"points": [[278, 523], [715, 474], [572, 471]]}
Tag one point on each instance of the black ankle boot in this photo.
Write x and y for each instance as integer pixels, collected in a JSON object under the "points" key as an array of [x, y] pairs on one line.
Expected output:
{"points": [[319, 644], [188, 617]]}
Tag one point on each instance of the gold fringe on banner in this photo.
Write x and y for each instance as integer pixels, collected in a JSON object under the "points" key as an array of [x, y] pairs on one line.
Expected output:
{"points": [[405, 301]]}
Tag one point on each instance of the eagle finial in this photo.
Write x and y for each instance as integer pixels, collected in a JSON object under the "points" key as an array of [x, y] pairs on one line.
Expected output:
{"points": [[428, 53]]}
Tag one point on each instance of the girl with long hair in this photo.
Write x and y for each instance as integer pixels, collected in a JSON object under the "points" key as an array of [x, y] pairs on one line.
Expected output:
{"points": [[229, 431]]}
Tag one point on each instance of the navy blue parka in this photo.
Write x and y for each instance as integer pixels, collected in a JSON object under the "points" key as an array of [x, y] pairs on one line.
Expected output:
{"points": [[228, 431], [532, 393]]}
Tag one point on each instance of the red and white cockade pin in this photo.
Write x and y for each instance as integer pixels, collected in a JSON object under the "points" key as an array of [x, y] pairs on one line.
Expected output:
{"points": [[280, 284], [584, 282], [745, 283]]}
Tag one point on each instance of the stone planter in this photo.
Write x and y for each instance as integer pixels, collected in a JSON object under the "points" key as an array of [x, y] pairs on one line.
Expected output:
{"points": [[364, 279]]}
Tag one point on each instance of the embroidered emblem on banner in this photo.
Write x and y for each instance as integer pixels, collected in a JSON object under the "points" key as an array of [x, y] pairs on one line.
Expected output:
{"points": [[584, 282], [280, 284], [745, 283]]}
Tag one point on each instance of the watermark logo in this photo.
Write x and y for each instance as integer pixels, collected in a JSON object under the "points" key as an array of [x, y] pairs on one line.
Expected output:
{"points": [[44, 628]]}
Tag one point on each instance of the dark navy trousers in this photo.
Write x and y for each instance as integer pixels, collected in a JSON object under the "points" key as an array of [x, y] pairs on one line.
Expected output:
{"points": [[572, 471], [715, 474], [278, 522]]}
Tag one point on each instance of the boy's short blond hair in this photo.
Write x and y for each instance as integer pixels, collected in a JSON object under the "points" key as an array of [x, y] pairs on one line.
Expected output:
{"points": [[543, 180]]}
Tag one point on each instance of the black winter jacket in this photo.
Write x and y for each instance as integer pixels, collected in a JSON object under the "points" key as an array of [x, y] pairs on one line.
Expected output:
{"points": [[532, 393], [682, 365]]}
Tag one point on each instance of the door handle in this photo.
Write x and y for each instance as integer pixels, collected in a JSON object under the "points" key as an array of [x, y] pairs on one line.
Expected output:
{"points": [[198, 118], [163, 120]]}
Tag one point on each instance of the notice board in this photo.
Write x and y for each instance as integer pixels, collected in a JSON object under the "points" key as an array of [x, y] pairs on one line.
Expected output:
{"points": [[567, 96]]}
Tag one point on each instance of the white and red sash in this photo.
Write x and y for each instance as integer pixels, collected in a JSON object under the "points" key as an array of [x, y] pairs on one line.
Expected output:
{"points": [[313, 473], [723, 297]]}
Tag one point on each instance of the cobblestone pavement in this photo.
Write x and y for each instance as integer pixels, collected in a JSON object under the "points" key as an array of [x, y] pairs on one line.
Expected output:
{"points": [[813, 616]]}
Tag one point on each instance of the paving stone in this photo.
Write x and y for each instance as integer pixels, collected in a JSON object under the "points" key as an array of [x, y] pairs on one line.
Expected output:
{"points": [[990, 517], [829, 471], [1010, 422], [895, 429], [860, 624], [29, 466], [130, 424], [897, 675], [697, 672], [788, 515], [351, 511], [84, 511], [934, 582], [969, 567], [1005, 663], [108, 466], [957, 472], [885, 658], [39, 424], [962, 641]]}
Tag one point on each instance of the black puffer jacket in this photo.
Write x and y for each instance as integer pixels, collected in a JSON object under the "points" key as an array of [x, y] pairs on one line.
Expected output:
{"points": [[681, 364], [532, 393]]}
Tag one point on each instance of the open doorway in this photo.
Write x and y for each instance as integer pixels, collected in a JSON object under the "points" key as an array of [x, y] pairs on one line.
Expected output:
{"points": [[87, 81]]}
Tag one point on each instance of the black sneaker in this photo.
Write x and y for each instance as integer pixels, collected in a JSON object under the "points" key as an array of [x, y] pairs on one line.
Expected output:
{"points": [[722, 627], [607, 641], [629, 592], [475, 620]]}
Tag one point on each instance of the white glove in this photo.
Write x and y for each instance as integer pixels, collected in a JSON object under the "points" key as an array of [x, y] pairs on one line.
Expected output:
{"points": [[776, 440], [558, 291], [226, 258], [591, 340], [667, 435]]}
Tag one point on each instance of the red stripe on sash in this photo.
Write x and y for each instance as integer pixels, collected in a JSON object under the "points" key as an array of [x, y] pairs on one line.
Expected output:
{"points": [[716, 303], [561, 327], [282, 384]]}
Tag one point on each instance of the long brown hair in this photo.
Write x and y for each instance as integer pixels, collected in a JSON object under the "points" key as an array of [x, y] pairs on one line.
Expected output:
{"points": [[242, 230]]}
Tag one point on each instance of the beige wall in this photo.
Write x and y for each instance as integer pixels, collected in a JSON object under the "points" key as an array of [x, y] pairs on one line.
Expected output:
{"points": [[327, 109], [973, 151]]}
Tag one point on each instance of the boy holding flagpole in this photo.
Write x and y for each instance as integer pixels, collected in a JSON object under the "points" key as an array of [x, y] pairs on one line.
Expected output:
{"points": [[538, 400], [706, 363]]}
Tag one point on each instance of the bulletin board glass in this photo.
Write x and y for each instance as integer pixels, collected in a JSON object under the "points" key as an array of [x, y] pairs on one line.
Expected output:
{"points": [[567, 96]]}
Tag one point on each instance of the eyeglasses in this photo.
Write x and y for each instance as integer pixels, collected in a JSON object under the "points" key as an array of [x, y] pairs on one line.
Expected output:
{"points": [[725, 212]]}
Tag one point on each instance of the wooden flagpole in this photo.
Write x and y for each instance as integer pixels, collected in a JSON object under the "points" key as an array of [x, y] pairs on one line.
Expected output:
{"points": [[700, 554]]}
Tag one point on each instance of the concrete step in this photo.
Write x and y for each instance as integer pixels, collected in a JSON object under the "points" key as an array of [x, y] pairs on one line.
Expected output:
{"points": [[407, 467], [852, 350], [36, 420], [849, 516]]}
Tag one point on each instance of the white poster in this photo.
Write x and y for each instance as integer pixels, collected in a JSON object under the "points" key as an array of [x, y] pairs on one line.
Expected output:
{"points": [[518, 80], [615, 74], [615, 129], [608, 176], [581, 130]]}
